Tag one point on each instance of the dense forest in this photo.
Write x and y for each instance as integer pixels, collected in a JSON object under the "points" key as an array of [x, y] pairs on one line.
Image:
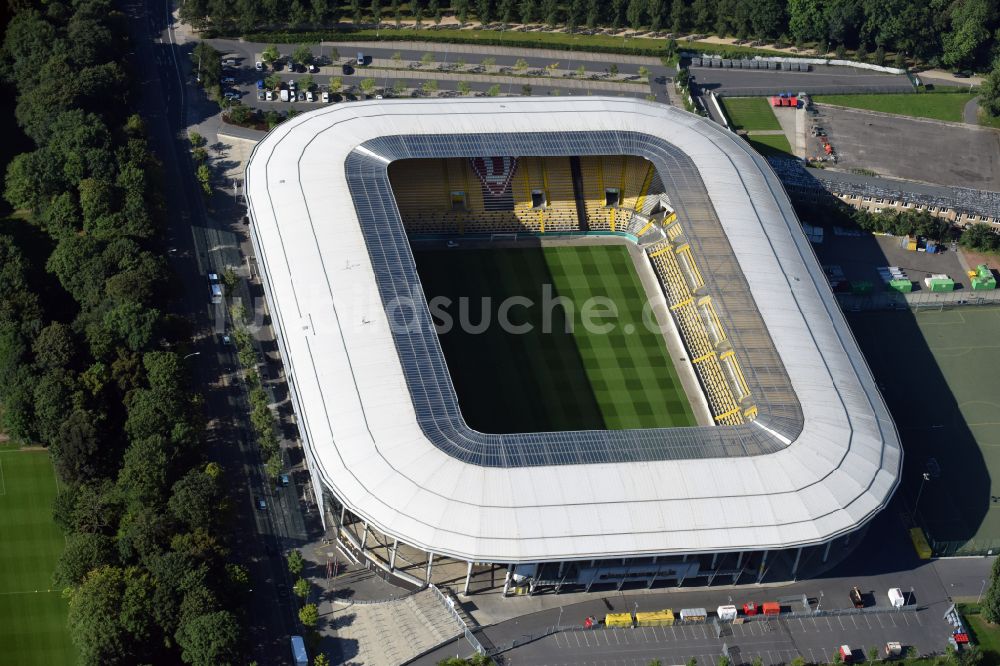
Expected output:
{"points": [[949, 33], [91, 364]]}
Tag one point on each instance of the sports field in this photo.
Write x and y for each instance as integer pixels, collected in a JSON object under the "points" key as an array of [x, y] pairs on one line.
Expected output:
{"points": [[547, 379], [938, 372], [750, 113], [32, 615]]}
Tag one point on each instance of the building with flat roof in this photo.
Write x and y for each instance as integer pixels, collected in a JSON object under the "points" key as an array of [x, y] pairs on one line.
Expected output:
{"points": [[800, 450]]}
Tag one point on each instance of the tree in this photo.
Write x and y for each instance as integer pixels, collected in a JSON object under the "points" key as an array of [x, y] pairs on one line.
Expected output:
{"points": [[767, 18], [990, 607], [209, 639], [464, 87], [526, 90], [862, 53], [880, 56], [643, 71], [398, 88], [430, 87], [336, 83], [309, 615], [798, 661], [397, 59], [526, 8], [95, 618], [635, 13], [693, 661], [301, 588], [426, 59], [581, 71], [723, 660], [269, 55], [989, 93], [899, 62], [376, 10], [368, 86], [970, 31], [520, 65], [872, 655], [321, 660], [54, 347], [550, 12], [757, 661], [83, 553], [489, 62], [195, 500], [494, 90], [295, 562], [613, 69], [302, 55]]}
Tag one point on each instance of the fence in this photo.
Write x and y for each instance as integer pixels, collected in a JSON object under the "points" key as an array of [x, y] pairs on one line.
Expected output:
{"points": [[713, 620], [900, 88], [466, 631], [921, 300]]}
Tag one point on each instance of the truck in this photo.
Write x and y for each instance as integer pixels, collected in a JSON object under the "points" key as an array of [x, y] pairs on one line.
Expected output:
{"points": [[299, 655], [846, 654], [856, 599]]}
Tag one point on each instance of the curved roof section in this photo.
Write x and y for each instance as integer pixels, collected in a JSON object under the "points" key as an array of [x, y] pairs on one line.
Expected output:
{"points": [[336, 282]]}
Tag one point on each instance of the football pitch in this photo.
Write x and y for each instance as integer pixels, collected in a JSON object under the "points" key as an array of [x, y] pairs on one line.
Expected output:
{"points": [[545, 379], [32, 615], [938, 373]]}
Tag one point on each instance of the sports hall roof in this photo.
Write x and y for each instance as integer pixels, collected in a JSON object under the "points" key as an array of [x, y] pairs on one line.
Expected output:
{"points": [[380, 416]]}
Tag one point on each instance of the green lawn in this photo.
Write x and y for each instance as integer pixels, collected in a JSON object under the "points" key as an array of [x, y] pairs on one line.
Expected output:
{"points": [[770, 144], [986, 635], [750, 113], [32, 615], [934, 105], [936, 370], [548, 379]]}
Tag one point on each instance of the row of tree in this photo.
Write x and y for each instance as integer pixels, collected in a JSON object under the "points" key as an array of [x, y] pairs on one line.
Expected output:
{"points": [[962, 33], [92, 367]]}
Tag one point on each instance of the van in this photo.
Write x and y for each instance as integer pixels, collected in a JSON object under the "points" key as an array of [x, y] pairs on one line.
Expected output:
{"points": [[360, 60]]}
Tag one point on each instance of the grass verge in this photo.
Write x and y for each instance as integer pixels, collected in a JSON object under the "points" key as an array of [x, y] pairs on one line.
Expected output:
{"points": [[750, 113], [776, 145], [32, 615], [934, 105], [546, 378]]}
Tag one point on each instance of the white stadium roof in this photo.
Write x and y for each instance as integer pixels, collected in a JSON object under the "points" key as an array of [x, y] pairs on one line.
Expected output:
{"points": [[370, 400]]}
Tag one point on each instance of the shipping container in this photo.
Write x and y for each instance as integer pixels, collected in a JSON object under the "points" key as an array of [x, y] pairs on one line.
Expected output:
{"points": [[772, 608], [618, 620], [693, 614], [902, 286], [661, 618]]}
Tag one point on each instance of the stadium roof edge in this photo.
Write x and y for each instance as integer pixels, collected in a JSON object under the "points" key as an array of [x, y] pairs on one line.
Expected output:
{"points": [[357, 415]]}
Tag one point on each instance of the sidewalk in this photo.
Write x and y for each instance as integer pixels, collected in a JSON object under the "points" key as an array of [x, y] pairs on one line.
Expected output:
{"points": [[557, 55]]}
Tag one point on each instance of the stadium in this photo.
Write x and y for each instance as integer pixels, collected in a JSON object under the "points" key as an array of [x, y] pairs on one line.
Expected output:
{"points": [[723, 424]]}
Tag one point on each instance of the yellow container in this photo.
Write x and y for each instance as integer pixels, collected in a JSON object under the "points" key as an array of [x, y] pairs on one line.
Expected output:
{"points": [[920, 543], [661, 618], [618, 620]]}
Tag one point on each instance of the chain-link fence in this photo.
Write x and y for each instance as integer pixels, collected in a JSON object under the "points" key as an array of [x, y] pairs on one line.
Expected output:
{"points": [[922, 300]]}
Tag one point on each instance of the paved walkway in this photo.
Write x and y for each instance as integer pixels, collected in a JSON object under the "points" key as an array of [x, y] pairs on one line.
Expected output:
{"points": [[970, 114], [555, 54]]}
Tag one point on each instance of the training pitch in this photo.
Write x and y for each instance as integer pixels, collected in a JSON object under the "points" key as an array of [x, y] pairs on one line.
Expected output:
{"points": [[547, 379], [32, 614], [938, 372]]}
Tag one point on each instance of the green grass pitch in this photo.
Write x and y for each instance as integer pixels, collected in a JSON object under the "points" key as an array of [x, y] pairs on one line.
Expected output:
{"points": [[32, 615], [550, 380], [937, 371], [935, 105], [750, 113]]}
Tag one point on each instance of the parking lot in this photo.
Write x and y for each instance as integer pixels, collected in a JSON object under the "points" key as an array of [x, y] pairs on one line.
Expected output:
{"points": [[912, 148], [822, 78], [775, 641]]}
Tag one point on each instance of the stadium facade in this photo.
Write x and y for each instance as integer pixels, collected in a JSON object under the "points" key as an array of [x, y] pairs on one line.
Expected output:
{"points": [[802, 452]]}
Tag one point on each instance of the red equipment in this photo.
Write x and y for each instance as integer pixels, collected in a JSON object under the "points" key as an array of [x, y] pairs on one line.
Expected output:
{"points": [[750, 608]]}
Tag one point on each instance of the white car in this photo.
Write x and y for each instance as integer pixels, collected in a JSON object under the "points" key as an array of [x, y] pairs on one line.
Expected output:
{"points": [[310, 97], [324, 96], [229, 62], [259, 66], [378, 96], [228, 80], [269, 95], [232, 95], [313, 68], [291, 83]]}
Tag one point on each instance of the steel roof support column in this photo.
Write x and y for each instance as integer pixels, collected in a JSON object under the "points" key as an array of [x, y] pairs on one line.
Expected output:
{"points": [[795, 567], [392, 556], [739, 567], [364, 537], [534, 579], [468, 577], [763, 567], [826, 551], [430, 563], [506, 579]]}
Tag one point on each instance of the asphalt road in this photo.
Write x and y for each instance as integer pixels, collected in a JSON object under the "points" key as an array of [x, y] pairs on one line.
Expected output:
{"points": [[823, 78], [199, 241]]}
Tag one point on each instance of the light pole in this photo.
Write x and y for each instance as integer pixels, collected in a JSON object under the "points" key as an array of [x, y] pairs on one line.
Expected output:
{"points": [[981, 590], [559, 621], [924, 479], [820, 601]]}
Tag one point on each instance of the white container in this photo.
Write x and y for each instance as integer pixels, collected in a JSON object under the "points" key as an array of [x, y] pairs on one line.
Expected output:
{"points": [[726, 612], [896, 598]]}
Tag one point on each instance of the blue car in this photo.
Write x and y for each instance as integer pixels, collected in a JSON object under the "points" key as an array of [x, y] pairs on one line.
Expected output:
{"points": [[260, 84]]}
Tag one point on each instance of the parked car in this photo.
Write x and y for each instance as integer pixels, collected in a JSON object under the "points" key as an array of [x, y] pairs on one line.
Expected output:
{"points": [[313, 68], [324, 96], [231, 95], [269, 95], [283, 479], [261, 504], [310, 97], [856, 599], [360, 60], [228, 80], [260, 84], [302, 96], [961, 74], [261, 95], [229, 62], [259, 66], [291, 84]]}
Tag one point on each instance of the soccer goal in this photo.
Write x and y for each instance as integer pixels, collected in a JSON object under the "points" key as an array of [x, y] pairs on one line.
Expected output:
{"points": [[509, 237]]}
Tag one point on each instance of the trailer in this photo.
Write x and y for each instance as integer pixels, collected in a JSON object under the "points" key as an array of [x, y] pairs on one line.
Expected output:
{"points": [[846, 654], [726, 613], [893, 650], [693, 614]]}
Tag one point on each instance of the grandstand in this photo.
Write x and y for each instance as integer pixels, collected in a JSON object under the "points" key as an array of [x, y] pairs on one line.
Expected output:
{"points": [[798, 452]]}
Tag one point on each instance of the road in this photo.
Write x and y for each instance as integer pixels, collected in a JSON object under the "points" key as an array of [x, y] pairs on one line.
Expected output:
{"points": [[203, 239], [823, 79]]}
